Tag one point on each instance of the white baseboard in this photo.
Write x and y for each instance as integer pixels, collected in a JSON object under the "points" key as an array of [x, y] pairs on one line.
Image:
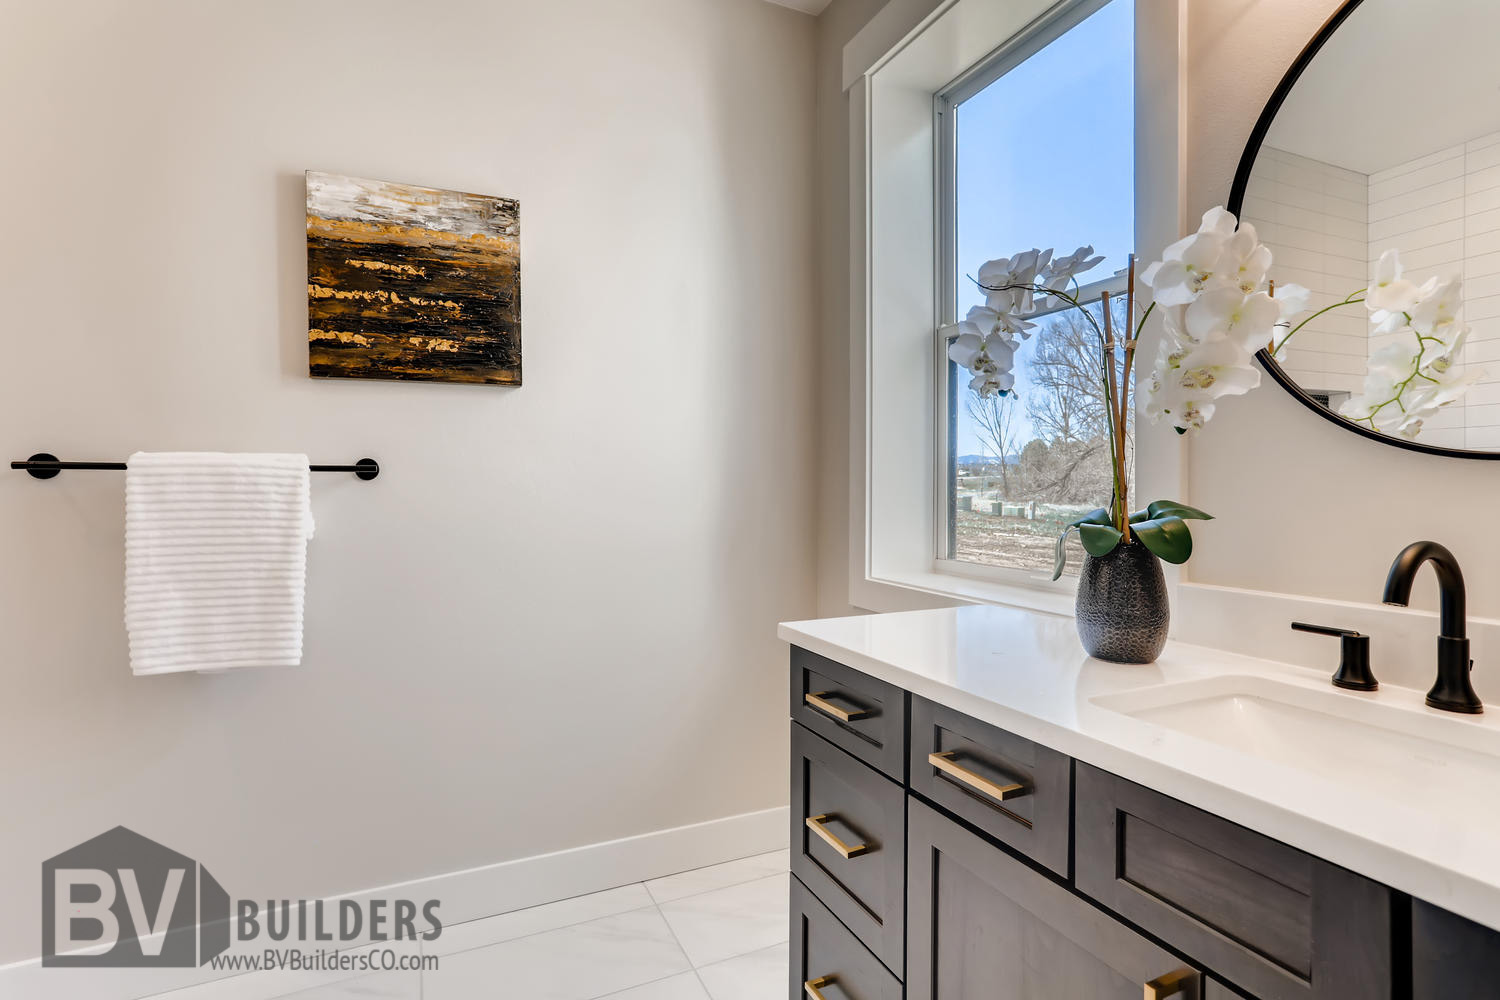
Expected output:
{"points": [[466, 895]]}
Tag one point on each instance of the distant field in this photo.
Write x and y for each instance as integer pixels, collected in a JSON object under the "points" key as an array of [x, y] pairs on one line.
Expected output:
{"points": [[1015, 542]]}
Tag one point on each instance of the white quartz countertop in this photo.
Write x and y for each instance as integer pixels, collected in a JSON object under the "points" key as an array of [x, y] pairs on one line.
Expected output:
{"points": [[1026, 672]]}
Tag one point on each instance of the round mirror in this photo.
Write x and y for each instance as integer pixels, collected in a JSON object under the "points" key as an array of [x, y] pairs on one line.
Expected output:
{"points": [[1374, 177]]}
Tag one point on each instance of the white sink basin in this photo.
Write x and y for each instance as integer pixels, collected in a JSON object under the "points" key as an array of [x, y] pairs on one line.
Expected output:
{"points": [[1387, 742]]}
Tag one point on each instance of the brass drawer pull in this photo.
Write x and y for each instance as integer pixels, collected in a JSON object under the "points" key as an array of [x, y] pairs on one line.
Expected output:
{"points": [[814, 987], [816, 700], [815, 824], [1171, 985], [944, 762]]}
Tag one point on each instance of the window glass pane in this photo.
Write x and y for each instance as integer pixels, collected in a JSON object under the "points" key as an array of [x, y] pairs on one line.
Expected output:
{"points": [[1044, 158]]}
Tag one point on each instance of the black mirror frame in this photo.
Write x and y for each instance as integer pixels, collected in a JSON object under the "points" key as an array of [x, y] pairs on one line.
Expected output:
{"points": [[1236, 202]]}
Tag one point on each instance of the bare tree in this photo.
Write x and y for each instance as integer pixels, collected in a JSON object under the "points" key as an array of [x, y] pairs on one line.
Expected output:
{"points": [[1066, 406], [1066, 402], [995, 424]]}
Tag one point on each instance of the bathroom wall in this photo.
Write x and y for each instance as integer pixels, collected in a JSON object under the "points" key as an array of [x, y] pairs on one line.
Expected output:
{"points": [[838, 23], [551, 621]]}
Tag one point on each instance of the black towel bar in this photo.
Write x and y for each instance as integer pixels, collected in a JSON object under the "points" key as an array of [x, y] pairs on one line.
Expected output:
{"points": [[45, 466]]}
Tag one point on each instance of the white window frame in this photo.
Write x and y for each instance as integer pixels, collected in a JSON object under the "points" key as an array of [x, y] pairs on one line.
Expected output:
{"points": [[897, 80]]}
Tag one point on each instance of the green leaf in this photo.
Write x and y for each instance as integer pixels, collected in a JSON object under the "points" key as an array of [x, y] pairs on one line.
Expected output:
{"points": [[1164, 508], [1062, 552], [1095, 531], [1099, 515], [1167, 537], [1098, 539]]}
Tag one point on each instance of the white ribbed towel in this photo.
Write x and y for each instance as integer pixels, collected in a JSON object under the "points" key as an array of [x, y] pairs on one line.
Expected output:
{"points": [[215, 560]]}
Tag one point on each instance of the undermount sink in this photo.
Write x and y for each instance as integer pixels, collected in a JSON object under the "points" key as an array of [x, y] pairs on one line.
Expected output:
{"points": [[1412, 754]]}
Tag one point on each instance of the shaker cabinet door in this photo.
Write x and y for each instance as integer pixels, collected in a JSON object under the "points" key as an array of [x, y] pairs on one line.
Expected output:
{"points": [[982, 925]]}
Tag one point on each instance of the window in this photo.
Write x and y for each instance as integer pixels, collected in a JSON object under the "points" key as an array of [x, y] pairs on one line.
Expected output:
{"points": [[1037, 150]]}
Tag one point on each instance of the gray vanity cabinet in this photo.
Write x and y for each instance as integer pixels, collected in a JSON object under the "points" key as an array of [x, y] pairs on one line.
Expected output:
{"points": [[984, 925], [937, 857]]}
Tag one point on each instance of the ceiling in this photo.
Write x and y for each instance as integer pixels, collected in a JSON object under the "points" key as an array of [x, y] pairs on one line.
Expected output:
{"points": [[813, 7], [1400, 79]]}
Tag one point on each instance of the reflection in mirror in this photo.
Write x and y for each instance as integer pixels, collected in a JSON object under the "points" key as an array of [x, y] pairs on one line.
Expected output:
{"points": [[1375, 150]]}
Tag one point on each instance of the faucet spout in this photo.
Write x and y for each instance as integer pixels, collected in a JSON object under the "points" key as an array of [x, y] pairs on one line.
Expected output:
{"points": [[1452, 692], [1454, 614]]}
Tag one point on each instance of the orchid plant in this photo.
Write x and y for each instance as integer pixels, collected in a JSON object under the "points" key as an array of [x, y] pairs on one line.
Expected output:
{"points": [[1209, 289], [1218, 306], [1413, 375]]}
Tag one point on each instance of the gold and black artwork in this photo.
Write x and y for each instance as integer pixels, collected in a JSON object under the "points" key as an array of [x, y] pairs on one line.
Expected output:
{"points": [[412, 283]]}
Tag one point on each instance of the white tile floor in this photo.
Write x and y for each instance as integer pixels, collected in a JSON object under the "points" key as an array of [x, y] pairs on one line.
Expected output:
{"points": [[717, 933]]}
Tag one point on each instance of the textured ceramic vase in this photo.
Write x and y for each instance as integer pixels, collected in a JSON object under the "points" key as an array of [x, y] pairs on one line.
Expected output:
{"points": [[1122, 605]]}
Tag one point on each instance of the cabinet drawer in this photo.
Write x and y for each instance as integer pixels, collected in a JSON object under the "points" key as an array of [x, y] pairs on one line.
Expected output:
{"points": [[849, 842], [830, 960], [1277, 923], [1012, 789], [864, 716], [985, 926]]}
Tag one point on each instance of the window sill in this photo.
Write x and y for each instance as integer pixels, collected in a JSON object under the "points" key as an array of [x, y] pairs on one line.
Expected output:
{"points": [[965, 589]]}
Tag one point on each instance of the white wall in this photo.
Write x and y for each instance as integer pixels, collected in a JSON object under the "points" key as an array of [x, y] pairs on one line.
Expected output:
{"points": [[550, 621], [836, 26]]}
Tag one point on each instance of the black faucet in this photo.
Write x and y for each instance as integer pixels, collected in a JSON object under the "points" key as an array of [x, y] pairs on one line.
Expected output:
{"points": [[1452, 691]]}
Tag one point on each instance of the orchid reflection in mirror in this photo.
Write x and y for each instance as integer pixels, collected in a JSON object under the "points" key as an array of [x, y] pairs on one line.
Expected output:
{"points": [[1412, 376]]}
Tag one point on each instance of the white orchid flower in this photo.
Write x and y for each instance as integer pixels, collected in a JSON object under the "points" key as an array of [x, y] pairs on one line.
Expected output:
{"points": [[1378, 388], [1396, 360], [988, 386], [1187, 265], [1292, 300], [1182, 408], [985, 321], [1437, 365], [1217, 368], [1438, 305], [1390, 297], [1246, 260], [1184, 269], [1008, 281], [1218, 221], [1057, 274], [1225, 311], [993, 352]]}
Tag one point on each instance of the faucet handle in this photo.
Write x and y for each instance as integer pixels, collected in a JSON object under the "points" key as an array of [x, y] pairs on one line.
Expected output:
{"points": [[1354, 659]]}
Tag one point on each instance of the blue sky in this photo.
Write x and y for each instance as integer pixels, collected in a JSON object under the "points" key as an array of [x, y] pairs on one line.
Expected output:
{"points": [[1046, 159]]}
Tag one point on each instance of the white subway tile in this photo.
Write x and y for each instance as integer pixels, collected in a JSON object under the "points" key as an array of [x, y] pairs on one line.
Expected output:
{"points": [[1416, 180], [1432, 194], [1451, 152]]}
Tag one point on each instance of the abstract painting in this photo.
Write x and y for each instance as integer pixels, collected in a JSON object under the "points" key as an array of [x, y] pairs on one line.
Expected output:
{"points": [[412, 283]]}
